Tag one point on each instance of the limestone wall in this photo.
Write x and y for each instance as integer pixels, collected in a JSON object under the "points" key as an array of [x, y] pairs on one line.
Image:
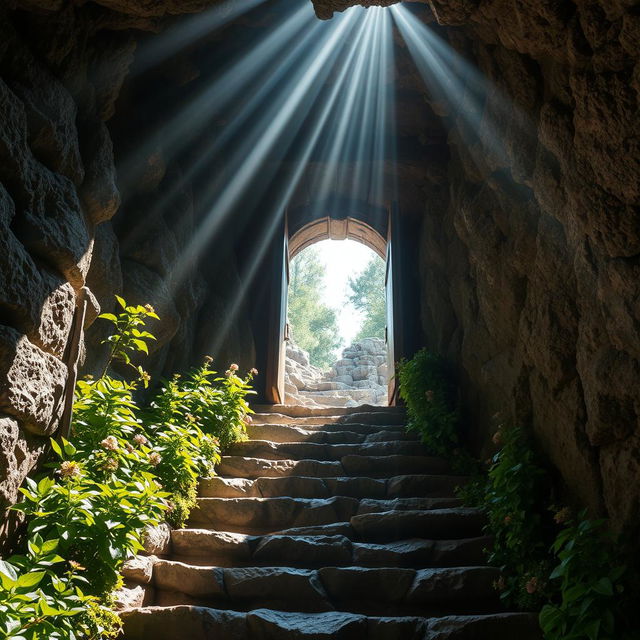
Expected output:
{"points": [[359, 377]]}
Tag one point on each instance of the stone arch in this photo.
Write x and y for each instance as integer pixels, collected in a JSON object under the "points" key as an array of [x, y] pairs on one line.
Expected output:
{"points": [[328, 228], [338, 218]]}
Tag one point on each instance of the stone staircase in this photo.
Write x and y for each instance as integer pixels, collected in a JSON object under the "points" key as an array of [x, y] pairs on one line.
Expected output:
{"points": [[325, 524]]}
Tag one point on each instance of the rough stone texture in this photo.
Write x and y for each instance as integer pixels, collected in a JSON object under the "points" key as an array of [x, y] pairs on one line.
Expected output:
{"points": [[359, 377], [31, 389], [527, 199]]}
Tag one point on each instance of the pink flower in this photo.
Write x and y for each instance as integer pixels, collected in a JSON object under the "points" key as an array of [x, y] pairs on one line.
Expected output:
{"points": [[247, 419], [140, 439], [497, 438], [233, 367], [532, 585], [253, 371], [110, 464], [110, 443], [507, 520], [154, 458], [208, 360], [69, 469]]}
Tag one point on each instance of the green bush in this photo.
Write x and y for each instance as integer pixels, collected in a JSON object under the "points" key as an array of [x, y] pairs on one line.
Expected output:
{"points": [[430, 394], [515, 500], [569, 569], [592, 601], [128, 468]]}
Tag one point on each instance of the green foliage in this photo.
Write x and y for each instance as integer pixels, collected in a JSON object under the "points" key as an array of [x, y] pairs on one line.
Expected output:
{"points": [[97, 510], [368, 296], [127, 338], [428, 390], [41, 596], [516, 493], [313, 323], [574, 576], [594, 594], [128, 468]]}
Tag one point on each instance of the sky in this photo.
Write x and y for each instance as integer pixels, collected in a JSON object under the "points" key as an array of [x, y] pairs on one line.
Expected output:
{"points": [[342, 258]]}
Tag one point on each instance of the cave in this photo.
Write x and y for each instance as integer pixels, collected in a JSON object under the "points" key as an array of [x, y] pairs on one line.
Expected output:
{"points": [[174, 152]]}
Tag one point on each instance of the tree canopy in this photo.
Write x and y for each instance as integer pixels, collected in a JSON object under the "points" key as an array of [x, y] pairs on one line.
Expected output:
{"points": [[368, 297], [314, 324]]}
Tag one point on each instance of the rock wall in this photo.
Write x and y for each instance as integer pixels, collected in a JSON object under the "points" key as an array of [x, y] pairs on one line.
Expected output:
{"points": [[531, 234], [78, 224], [359, 377]]}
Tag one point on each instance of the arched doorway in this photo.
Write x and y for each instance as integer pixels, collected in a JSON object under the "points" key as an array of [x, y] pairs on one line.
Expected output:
{"points": [[381, 228]]}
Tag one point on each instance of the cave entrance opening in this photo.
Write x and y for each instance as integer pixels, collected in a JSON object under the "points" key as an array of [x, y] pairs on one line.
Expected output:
{"points": [[335, 353], [381, 229]]}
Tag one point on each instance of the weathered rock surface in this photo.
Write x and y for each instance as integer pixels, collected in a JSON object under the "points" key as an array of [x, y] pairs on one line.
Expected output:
{"points": [[327, 565], [359, 377]]}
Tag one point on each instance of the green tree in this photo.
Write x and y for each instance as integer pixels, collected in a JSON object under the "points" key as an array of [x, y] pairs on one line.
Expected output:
{"points": [[368, 296], [314, 324]]}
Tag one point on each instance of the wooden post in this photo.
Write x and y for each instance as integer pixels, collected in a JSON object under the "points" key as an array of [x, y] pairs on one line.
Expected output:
{"points": [[77, 330]]}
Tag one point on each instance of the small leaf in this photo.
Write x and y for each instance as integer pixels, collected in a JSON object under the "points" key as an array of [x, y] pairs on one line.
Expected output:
{"points": [[31, 579], [121, 302], [56, 447]]}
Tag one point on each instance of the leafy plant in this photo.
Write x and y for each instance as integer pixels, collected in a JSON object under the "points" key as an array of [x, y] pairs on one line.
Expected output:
{"points": [[128, 468], [41, 596], [516, 494], [97, 511], [428, 390], [127, 338], [593, 600]]}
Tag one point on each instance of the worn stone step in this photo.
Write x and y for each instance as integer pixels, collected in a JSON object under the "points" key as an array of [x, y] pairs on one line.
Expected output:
{"points": [[353, 588], [391, 465], [350, 465], [308, 487], [268, 514], [343, 435], [291, 433], [243, 467], [203, 546], [363, 429], [437, 524], [300, 411], [318, 451], [261, 515], [202, 623]]}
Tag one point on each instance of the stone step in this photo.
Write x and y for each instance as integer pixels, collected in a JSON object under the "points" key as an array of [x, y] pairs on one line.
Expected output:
{"points": [[369, 419], [202, 623], [292, 433], [433, 486], [437, 524], [221, 548], [394, 590], [350, 465], [317, 451], [356, 427], [248, 515], [263, 515], [298, 411]]}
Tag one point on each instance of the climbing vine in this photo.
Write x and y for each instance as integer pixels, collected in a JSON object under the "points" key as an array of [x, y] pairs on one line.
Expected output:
{"points": [[126, 468]]}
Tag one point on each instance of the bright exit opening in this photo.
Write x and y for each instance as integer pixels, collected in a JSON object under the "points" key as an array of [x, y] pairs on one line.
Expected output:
{"points": [[336, 352]]}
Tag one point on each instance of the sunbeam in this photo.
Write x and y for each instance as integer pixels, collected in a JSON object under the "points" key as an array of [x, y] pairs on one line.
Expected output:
{"points": [[463, 91]]}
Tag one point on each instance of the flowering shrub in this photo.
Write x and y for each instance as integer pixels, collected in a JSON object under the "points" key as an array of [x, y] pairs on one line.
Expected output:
{"points": [[515, 498], [128, 468], [428, 390], [563, 566]]}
